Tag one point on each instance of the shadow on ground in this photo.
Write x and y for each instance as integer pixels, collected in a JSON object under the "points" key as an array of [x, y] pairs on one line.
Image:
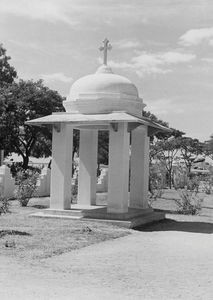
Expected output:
{"points": [[38, 206], [13, 232], [171, 225]]}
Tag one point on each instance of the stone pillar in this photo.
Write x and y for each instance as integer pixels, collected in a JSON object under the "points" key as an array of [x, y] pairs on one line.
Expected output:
{"points": [[61, 167], [87, 176], [139, 182], [118, 174]]}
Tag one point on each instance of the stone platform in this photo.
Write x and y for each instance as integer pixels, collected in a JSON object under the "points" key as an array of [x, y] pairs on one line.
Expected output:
{"points": [[133, 218]]}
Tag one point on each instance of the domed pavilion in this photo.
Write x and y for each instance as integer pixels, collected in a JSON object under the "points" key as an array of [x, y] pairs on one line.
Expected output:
{"points": [[102, 101]]}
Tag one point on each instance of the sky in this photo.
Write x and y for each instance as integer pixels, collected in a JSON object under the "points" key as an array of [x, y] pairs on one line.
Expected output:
{"points": [[165, 47]]}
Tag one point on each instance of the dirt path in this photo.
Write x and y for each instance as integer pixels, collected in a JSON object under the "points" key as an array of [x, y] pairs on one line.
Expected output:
{"points": [[145, 265]]}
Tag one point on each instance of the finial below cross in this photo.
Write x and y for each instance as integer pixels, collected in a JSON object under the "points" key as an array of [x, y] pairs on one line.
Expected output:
{"points": [[104, 48]]}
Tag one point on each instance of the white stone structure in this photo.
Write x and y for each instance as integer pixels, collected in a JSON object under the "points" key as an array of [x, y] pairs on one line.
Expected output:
{"points": [[8, 186], [102, 101], [7, 182], [102, 183], [43, 184]]}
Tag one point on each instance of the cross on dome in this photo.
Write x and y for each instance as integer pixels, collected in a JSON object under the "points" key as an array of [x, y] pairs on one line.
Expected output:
{"points": [[104, 48]]}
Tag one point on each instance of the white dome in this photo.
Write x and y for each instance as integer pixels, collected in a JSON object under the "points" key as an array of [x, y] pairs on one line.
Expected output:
{"points": [[103, 92], [102, 82]]}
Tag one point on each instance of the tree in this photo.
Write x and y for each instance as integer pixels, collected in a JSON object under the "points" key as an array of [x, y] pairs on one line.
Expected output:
{"points": [[103, 147], [169, 150], [20, 102], [152, 117], [190, 149], [166, 152], [208, 147], [158, 140], [161, 135], [7, 72]]}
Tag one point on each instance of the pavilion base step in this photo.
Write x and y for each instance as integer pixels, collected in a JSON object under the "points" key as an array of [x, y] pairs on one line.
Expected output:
{"points": [[101, 213], [133, 222], [55, 216], [133, 218], [63, 212]]}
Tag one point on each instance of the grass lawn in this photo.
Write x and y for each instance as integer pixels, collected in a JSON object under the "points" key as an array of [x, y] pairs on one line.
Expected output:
{"points": [[36, 238], [168, 203]]}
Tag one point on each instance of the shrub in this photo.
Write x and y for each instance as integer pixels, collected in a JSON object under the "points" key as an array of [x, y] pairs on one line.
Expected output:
{"points": [[16, 167], [207, 187], [180, 177], [207, 183], [190, 202], [26, 181], [187, 186], [193, 183], [4, 205]]}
